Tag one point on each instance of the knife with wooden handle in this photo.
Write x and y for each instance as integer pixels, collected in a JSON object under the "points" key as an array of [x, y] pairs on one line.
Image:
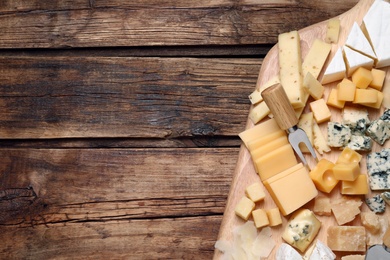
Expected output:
{"points": [[277, 101]]}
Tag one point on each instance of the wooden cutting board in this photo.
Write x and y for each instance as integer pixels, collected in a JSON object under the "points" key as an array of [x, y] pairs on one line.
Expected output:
{"points": [[245, 174]]}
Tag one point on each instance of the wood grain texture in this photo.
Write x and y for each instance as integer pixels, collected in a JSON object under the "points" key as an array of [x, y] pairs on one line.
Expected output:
{"points": [[62, 24], [245, 173], [124, 97]]}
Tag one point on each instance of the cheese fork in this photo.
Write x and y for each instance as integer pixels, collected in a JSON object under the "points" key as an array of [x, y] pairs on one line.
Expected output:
{"points": [[277, 101]]}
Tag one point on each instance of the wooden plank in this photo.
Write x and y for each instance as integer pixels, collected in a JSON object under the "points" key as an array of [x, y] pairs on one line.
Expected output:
{"points": [[73, 97], [51, 186], [160, 23], [179, 238]]}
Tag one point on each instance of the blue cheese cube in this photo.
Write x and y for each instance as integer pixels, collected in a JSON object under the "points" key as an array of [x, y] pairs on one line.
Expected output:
{"points": [[386, 117], [378, 169], [379, 131], [376, 204], [353, 116], [360, 143], [338, 134]]}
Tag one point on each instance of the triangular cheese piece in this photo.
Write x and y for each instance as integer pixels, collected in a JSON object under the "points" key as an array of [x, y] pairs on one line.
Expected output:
{"points": [[357, 40], [354, 60], [336, 69], [377, 27]]}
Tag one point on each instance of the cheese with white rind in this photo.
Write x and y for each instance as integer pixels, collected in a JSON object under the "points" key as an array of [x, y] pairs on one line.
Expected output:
{"points": [[357, 40], [378, 169], [355, 60], [320, 252], [336, 69], [377, 27], [285, 251]]}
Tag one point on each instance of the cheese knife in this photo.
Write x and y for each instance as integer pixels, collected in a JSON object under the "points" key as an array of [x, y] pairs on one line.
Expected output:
{"points": [[278, 103], [378, 252]]}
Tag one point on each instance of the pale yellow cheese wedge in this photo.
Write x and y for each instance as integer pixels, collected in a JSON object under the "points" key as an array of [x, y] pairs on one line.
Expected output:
{"points": [[315, 58], [312, 86], [259, 112], [332, 30]]}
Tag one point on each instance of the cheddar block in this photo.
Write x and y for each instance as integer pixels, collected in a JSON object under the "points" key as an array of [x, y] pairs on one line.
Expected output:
{"points": [[271, 163], [346, 171], [258, 131], [244, 208], [306, 124], [333, 100], [362, 77], [259, 112], [349, 156], [260, 218], [332, 30], [336, 69], [323, 177], [263, 140], [269, 147], [355, 59], [365, 96], [346, 90], [302, 228], [274, 217], [347, 238], [255, 192], [346, 208], [292, 190], [378, 78], [378, 103], [357, 41], [356, 187], [320, 111], [312, 86], [290, 64], [322, 206], [376, 25], [315, 58]]}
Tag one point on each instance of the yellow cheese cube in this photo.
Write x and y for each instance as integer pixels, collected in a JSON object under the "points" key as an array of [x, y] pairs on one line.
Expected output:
{"points": [[378, 103], [276, 161], [263, 140], [378, 78], [346, 90], [244, 208], [292, 191], [323, 177], [349, 156], [260, 218], [362, 77], [258, 112], [356, 187], [320, 111], [347, 238], [269, 147], [332, 30], [290, 64], [255, 192], [313, 86], [333, 100], [365, 96], [274, 217], [347, 171], [315, 58], [258, 131]]}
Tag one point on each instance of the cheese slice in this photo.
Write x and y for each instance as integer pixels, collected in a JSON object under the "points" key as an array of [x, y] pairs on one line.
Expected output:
{"points": [[336, 69], [377, 27], [354, 60], [357, 41]]}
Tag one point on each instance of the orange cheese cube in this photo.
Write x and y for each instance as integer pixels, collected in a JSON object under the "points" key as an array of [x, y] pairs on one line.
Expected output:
{"points": [[346, 171], [378, 78], [276, 161], [348, 156], [292, 191], [363, 96], [333, 100], [378, 103], [346, 90], [356, 187], [260, 218], [244, 208], [274, 217], [255, 192], [320, 111], [362, 77], [323, 177]]}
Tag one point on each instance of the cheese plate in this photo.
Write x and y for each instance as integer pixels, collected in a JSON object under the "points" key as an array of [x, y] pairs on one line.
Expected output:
{"points": [[245, 173]]}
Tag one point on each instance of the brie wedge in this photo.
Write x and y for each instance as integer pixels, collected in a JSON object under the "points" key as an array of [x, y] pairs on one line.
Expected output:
{"points": [[357, 41], [354, 60], [336, 69]]}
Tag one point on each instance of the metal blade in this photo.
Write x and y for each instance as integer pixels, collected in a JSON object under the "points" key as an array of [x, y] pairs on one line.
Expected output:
{"points": [[297, 136], [378, 252]]}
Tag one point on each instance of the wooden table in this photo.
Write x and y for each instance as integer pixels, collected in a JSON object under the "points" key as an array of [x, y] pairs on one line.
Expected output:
{"points": [[119, 120]]}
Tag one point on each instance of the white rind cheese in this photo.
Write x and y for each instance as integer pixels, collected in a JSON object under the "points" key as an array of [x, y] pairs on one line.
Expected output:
{"points": [[285, 251], [357, 40], [378, 169], [336, 69], [354, 60], [377, 27]]}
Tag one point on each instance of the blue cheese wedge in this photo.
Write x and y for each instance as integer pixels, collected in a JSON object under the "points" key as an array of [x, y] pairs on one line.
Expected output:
{"points": [[338, 134], [378, 169], [360, 143], [376, 204], [379, 131]]}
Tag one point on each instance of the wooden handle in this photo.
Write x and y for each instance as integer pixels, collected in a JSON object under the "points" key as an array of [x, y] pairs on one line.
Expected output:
{"points": [[278, 103]]}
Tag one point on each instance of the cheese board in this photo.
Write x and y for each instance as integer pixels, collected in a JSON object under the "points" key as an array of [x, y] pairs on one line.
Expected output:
{"points": [[245, 172]]}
